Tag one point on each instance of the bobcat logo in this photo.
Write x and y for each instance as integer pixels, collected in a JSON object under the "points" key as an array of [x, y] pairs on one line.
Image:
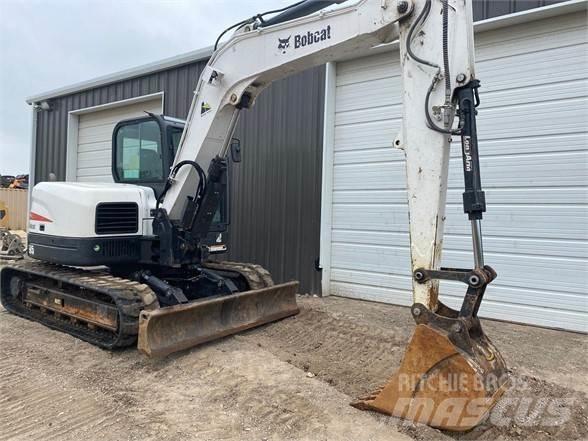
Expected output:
{"points": [[284, 43]]}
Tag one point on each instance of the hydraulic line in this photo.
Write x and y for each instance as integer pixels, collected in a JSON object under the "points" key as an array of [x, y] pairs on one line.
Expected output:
{"points": [[200, 190], [446, 72], [423, 16], [253, 19]]}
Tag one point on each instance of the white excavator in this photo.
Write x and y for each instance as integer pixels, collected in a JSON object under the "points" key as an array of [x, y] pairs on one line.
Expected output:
{"points": [[156, 228]]}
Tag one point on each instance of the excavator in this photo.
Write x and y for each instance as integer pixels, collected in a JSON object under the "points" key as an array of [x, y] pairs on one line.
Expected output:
{"points": [[159, 226]]}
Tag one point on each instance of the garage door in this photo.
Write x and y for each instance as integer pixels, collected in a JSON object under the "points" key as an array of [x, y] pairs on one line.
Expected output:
{"points": [[94, 144], [533, 138]]}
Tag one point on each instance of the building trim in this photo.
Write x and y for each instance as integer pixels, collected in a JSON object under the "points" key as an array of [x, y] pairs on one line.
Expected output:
{"points": [[326, 223], [33, 160], [73, 121], [204, 53], [531, 15]]}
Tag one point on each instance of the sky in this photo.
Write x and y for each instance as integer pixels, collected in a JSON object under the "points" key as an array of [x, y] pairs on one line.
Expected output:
{"points": [[47, 44]]}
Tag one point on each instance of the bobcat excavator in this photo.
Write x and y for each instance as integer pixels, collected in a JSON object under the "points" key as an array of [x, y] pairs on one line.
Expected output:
{"points": [[155, 231]]}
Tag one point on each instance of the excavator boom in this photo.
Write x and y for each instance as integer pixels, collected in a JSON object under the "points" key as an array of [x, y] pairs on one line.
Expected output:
{"points": [[164, 291]]}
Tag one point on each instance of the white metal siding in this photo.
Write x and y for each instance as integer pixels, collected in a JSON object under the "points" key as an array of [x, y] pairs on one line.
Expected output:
{"points": [[534, 146], [94, 146]]}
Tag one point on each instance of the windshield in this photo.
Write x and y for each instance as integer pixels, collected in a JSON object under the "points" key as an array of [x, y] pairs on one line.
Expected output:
{"points": [[139, 152]]}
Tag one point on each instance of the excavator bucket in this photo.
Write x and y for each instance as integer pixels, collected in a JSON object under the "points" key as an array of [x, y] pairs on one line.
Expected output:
{"points": [[175, 328], [451, 375]]}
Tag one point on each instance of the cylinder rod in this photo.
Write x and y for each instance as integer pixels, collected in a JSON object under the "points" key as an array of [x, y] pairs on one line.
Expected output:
{"points": [[234, 119], [477, 242]]}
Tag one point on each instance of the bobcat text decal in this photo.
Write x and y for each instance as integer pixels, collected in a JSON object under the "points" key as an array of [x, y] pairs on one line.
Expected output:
{"points": [[305, 39]]}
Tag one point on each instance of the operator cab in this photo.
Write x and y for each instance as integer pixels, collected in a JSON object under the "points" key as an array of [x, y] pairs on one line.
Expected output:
{"points": [[143, 152]]}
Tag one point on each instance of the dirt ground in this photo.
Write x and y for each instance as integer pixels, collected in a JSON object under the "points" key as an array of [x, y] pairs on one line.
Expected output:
{"points": [[291, 380]]}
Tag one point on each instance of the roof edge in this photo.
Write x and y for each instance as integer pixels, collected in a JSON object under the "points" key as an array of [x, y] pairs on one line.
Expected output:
{"points": [[201, 54], [178, 60]]}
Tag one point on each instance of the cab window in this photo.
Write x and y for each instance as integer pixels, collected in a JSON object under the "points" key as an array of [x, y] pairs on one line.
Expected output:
{"points": [[175, 136], [139, 152]]}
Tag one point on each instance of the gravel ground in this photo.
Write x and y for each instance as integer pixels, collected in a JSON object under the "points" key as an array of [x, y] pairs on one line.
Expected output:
{"points": [[291, 380]]}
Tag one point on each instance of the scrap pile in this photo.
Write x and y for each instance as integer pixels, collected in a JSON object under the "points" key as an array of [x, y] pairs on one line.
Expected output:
{"points": [[11, 246], [18, 181]]}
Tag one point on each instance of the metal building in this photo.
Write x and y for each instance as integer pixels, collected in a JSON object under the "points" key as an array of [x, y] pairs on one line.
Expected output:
{"points": [[276, 190]]}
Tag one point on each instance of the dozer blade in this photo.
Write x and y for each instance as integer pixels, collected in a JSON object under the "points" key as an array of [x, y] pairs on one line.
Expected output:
{"points": [[450, 378], [174, 328]]}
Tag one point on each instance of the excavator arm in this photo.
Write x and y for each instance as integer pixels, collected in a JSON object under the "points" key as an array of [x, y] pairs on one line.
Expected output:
{"points": [[440, 96]]}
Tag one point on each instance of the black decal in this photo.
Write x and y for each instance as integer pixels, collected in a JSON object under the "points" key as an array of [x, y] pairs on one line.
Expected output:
{"points": [[204, 108], [284, 43]]}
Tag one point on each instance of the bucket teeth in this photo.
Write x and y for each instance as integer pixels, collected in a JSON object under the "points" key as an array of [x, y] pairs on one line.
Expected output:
{"points": [[440, 384], [372, 396]]}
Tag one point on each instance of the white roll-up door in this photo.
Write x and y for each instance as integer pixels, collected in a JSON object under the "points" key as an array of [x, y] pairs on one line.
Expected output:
{"points": [[534, 156], [94, 137]]}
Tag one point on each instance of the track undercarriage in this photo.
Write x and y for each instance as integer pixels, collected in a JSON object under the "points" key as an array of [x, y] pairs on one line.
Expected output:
{"points": [[109, 311]]}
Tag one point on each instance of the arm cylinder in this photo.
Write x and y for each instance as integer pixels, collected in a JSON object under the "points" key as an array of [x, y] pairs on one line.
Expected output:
{"points": [[474, 200]]}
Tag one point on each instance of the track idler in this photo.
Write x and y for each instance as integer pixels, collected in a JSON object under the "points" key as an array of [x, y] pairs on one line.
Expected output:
{"points": [[451, 375]]}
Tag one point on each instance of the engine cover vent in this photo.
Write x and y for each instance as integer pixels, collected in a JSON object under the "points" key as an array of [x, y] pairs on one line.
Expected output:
{"points": [[117, 218]]}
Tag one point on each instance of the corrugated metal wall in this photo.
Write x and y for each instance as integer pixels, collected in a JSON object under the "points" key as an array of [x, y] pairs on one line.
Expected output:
{"points": [[177, 85], [14, 201], [276, 190], [494, 8], [276, 202]]}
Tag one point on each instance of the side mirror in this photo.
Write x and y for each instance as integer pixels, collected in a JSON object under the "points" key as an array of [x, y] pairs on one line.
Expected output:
{"points": [[236, 150]]}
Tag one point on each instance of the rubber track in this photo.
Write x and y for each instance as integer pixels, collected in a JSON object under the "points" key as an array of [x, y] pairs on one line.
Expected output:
{"points": [[257, 276], [127, 295]]}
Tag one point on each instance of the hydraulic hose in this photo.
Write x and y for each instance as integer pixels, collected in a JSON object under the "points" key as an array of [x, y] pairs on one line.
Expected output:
{"points": [[446, 52]]}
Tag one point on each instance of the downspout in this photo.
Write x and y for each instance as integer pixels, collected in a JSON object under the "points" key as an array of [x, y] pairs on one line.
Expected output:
{"points": [[32, 159]]}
